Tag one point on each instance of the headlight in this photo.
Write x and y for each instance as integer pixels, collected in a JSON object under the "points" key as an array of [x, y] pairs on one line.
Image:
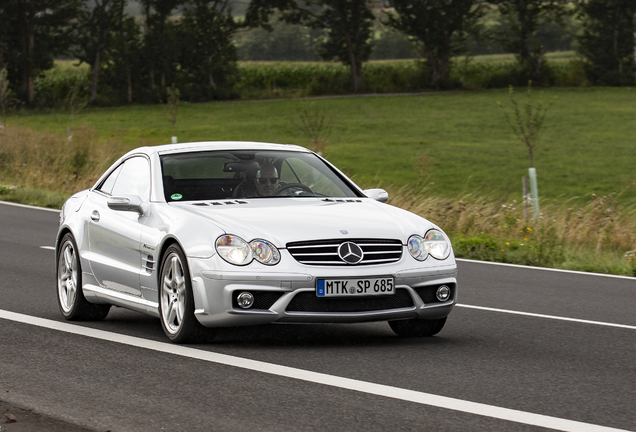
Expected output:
{"points": [[237, 251], [234, 250], [417, 248], [62, 215], [265, 252], [436, 245]]}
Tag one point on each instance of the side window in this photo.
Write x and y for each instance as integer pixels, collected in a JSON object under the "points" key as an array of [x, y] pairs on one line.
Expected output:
{"points": [[107, 186], [134, 179]]}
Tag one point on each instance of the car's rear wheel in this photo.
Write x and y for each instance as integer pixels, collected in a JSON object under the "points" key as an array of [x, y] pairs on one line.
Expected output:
{"points": [[70, 297], [417, 327], [176, 300]]}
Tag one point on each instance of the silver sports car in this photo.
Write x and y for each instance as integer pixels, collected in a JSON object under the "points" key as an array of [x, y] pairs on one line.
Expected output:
{"points": [[223, 234]]}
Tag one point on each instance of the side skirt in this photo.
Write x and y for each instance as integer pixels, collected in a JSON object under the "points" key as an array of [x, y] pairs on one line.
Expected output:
{"points": [[97, 294]]}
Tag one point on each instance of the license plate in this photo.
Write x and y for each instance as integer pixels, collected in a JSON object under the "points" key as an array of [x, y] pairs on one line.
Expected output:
{"points": [[355, 287]]}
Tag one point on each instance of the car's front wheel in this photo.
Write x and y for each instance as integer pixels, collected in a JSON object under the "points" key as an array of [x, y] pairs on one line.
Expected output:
{"points": [[417, 327], [70, 297], [176, 300]]}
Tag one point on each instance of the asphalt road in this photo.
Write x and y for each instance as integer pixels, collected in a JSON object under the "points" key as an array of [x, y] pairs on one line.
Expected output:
{"points": [[488, 370]]}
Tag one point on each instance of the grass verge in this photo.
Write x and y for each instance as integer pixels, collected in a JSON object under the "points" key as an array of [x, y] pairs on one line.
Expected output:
{"points": [[597, 237]]}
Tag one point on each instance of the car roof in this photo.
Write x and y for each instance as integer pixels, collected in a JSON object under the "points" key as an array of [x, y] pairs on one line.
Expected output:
{"points": [[214, 145]]}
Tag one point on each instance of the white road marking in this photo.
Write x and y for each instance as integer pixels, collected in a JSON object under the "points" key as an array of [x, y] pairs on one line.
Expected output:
{"points": [[48, 247], [545, 268], [29, 206], [319, 378], [554, 317]]}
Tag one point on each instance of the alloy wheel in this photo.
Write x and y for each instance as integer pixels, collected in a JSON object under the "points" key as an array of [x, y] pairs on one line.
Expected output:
{"points": [[173, 294]]}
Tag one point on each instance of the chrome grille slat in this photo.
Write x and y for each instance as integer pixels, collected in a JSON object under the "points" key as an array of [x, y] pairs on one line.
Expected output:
{"points": [[382, 252], [325, 252], [324, 244], [378, 261], [315, 254]]}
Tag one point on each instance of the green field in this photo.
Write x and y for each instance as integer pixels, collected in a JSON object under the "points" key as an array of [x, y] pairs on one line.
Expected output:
{"points": [[455, 142]]}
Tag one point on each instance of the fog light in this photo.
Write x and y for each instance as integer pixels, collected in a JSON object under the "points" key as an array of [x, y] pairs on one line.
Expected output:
{"points": [[443, 293], [245, 300]]}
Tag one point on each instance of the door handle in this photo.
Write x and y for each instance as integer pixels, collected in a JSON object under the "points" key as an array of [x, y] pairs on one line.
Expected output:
{"points": [[95, 216]]}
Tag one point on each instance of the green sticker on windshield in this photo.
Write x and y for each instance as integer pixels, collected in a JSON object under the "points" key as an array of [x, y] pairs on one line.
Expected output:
{"points": [[176, 197]]}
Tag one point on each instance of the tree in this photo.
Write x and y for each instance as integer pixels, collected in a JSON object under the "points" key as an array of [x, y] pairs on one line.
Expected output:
{"points": [[314, 122], [526, 125], [285, 42], [95, 36], [438, 26], [522, 18], [608, 40], [159, 47], [122, 74], [5, 95], [32, 33], [4, 28], [126, 35], [172, 99], [347, 24], [208, 54]]}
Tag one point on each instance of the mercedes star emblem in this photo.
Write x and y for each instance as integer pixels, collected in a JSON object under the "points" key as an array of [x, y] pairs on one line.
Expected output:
{"points": [[350, 253]]}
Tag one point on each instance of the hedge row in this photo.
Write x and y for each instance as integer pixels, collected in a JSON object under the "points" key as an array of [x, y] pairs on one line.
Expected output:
{"points": [[254, 80]]}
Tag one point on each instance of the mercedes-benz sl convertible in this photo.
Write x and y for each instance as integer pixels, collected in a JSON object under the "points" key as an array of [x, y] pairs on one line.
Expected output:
{"points": [[223, 234]]}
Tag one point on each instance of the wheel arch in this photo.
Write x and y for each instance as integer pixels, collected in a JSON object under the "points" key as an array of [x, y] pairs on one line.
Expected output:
{"points": [[60, 235], [163, 247]]}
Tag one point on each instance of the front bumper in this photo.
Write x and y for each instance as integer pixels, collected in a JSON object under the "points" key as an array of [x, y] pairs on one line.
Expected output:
{"points": [[287, 293]]}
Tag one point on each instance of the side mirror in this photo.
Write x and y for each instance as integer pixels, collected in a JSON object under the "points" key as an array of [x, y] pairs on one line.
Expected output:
{"points": [[126, 203], [377, 194]]}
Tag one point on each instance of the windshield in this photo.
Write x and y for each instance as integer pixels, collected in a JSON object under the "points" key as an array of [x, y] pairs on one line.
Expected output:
{"points": [[249, 174]]}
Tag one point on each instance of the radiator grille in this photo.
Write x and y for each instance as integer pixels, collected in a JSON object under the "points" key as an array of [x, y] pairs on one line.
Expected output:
{"points": [[325, 252]]}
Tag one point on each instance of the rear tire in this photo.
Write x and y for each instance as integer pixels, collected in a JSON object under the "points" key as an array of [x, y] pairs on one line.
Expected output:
{"points": [[176, 301], [417, 327], [70, 297]]}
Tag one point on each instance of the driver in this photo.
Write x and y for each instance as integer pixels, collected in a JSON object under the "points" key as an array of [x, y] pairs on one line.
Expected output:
{"points": [[267, 180]]}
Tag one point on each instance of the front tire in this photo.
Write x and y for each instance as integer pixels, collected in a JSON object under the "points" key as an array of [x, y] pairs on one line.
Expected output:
{"points": [[417, 327], [70, 297], [176, 300]]}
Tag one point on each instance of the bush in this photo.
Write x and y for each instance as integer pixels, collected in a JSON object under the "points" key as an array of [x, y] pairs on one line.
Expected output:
{"points": [[487, 75], [570, 74], [396, 77], [258, 80], [54, 86]]}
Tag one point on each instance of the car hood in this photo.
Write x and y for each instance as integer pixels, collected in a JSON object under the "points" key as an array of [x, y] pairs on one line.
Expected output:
{"points": [[284, 220]]}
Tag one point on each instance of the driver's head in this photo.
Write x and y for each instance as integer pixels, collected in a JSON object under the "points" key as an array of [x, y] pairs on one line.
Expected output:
{"points": [[267, 180]]}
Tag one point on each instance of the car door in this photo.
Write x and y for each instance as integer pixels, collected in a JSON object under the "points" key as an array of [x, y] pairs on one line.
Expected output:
{"points": [[115, 236]]}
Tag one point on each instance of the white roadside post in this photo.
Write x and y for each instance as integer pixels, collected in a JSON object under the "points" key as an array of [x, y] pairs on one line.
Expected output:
{"points": [[532, 172], [174, 140]]}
